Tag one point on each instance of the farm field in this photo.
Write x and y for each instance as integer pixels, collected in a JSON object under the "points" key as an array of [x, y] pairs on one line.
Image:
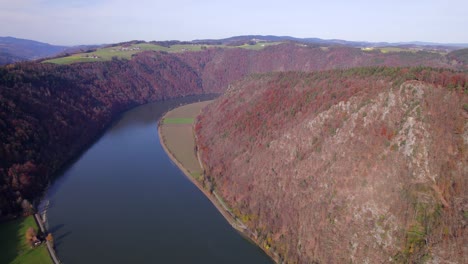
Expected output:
{"points": [[257, 46], [402, 49], [126, 52], [120, 52], [178, 121], [177, 134]]}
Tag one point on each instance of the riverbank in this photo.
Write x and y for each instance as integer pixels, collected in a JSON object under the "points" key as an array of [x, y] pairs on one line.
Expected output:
{"points": [[133, 189], [175, 131], [49, 244], [13, 245]]}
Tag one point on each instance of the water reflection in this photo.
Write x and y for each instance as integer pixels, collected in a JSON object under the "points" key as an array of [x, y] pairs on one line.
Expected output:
{"points": [[124, 201]]}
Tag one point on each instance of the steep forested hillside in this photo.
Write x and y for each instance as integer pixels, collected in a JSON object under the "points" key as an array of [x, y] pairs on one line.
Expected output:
{"points": [[49, 112], [460, 56], [219, 67], [366, 165]]}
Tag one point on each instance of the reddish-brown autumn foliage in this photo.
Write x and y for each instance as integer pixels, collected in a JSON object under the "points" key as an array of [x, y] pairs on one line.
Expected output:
{"points": [[30, 236], [366, 164], [219, 67], [48, 113], [50, 238]]}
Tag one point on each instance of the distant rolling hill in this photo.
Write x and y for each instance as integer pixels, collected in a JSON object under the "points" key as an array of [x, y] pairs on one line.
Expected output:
{"points": [[245, 38], [15, 49], [460, 55]]}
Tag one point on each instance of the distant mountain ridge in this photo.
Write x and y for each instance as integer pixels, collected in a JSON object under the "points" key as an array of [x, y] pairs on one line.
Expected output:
{"points": [[16, 49], [330, 41]]}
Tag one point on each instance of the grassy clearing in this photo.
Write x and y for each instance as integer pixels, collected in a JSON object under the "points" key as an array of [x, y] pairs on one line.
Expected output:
{"points": [[177, 133], [178, 121], [197, 175], [257, 46], [13, 246], [390, 49], [400, 49], [106, 54], [396, 49]]}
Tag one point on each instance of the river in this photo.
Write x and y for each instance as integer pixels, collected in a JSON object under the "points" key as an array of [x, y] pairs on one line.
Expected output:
{"points": [[124, 201]]}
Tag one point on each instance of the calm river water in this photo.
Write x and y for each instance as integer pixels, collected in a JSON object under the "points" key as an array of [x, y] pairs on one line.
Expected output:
{"points": [[124, 201]]}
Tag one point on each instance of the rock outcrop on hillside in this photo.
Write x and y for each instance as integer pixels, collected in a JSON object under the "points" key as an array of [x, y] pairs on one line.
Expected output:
{"points": [[366, 165], [50, 112]]}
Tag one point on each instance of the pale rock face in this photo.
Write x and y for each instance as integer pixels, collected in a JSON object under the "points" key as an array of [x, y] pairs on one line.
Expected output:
{"points": [[465, 134], [352, 181]]}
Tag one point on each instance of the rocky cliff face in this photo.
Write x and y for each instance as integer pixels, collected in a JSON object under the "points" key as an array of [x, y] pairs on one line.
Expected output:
{"points": [[361, 166]]}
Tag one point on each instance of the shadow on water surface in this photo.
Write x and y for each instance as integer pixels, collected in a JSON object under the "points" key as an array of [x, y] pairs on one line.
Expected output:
{"points": [[56, 228], [60, 239], [59, 233]]}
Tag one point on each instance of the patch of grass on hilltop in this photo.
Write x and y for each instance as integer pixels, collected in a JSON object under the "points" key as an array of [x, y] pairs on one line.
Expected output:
{"points": [[121, 52], [106, 54], [395, 49], [257, 46], [178, 121], [410, 50], [13, 245]]}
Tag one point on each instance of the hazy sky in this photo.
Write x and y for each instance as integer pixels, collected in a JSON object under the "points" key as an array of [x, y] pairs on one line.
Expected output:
{"points": [[70, 22]]}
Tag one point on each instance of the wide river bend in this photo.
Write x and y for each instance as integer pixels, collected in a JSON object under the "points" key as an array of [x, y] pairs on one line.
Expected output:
{"points": [[124, 201]]}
